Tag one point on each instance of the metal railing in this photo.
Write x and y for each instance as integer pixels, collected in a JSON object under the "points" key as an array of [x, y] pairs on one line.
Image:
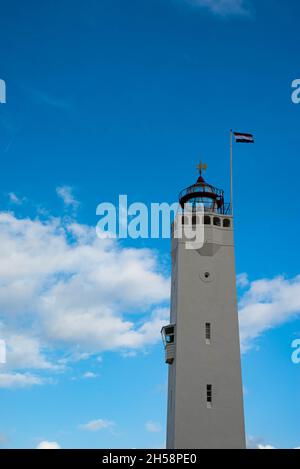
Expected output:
{"points": [[224, 209], [196, 188]]}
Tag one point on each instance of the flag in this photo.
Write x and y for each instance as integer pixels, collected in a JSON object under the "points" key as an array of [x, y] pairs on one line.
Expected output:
{"points": [[243, 138]]}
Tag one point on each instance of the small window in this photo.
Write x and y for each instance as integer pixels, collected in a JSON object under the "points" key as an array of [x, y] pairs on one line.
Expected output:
{"points": [[207, 220], [226, 223], [195, 220], [169, 334], [208, 332], [217, 221], [184, 220], [168, 337], [209, 395]]}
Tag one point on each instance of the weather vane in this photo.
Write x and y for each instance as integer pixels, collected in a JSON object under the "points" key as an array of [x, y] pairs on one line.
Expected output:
{"points": [[202, 167]]}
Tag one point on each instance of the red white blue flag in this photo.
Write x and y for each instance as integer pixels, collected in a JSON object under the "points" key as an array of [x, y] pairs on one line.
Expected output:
{"points": [[243, 138]]}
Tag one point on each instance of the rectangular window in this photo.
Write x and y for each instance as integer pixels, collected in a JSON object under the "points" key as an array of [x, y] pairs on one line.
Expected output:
{"points": [[208, 332], [209, 395]]}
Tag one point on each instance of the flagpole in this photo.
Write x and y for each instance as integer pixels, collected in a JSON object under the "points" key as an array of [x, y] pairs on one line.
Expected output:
{"points": [[231, 172]]}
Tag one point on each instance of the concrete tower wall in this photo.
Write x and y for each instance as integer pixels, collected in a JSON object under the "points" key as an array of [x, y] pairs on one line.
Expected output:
{"points": [[204, 292]]}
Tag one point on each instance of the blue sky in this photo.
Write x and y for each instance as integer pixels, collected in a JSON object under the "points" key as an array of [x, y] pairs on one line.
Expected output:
{"points": [[108, 98]]}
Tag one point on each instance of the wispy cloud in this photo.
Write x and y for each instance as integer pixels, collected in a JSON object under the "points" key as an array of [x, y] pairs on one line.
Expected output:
{"points": [[260, 446], [2, 92], [242, 280], [257, 443], [153, 427], [67, 196], [96, 425], [18, 380], [89, 375], [24, 351], [15, 199], [48, 98], [223, 7]]}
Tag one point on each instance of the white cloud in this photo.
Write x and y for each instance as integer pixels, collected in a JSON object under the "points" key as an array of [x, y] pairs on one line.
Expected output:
{"points": [[25, 352], [95, 425], [262, 446], [89, 375], [267, 303], [259, 443], [63, 290], [265, 447], [153, 427], [18, 380], [66, 194], [48, 445], [223, 7]]}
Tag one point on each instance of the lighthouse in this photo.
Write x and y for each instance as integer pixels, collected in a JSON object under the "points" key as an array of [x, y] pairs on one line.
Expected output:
{"points": [[202, 349]]}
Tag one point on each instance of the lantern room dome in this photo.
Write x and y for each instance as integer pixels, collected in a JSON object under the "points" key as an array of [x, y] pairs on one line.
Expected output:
{"points": [[203, 193]]}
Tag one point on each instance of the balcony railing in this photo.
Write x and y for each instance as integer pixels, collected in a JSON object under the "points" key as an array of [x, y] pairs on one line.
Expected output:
{"points": [[224, 209], [196, 188]]}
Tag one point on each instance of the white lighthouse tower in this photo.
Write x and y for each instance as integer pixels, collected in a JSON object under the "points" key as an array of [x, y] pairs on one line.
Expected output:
{"points": [[205, 398]]}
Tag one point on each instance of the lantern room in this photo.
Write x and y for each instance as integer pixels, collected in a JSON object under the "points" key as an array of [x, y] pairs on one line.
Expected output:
{"points": [[202, 193]]}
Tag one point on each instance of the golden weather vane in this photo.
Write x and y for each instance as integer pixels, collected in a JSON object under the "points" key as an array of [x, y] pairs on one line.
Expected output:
{"points": [[202, 167]]}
